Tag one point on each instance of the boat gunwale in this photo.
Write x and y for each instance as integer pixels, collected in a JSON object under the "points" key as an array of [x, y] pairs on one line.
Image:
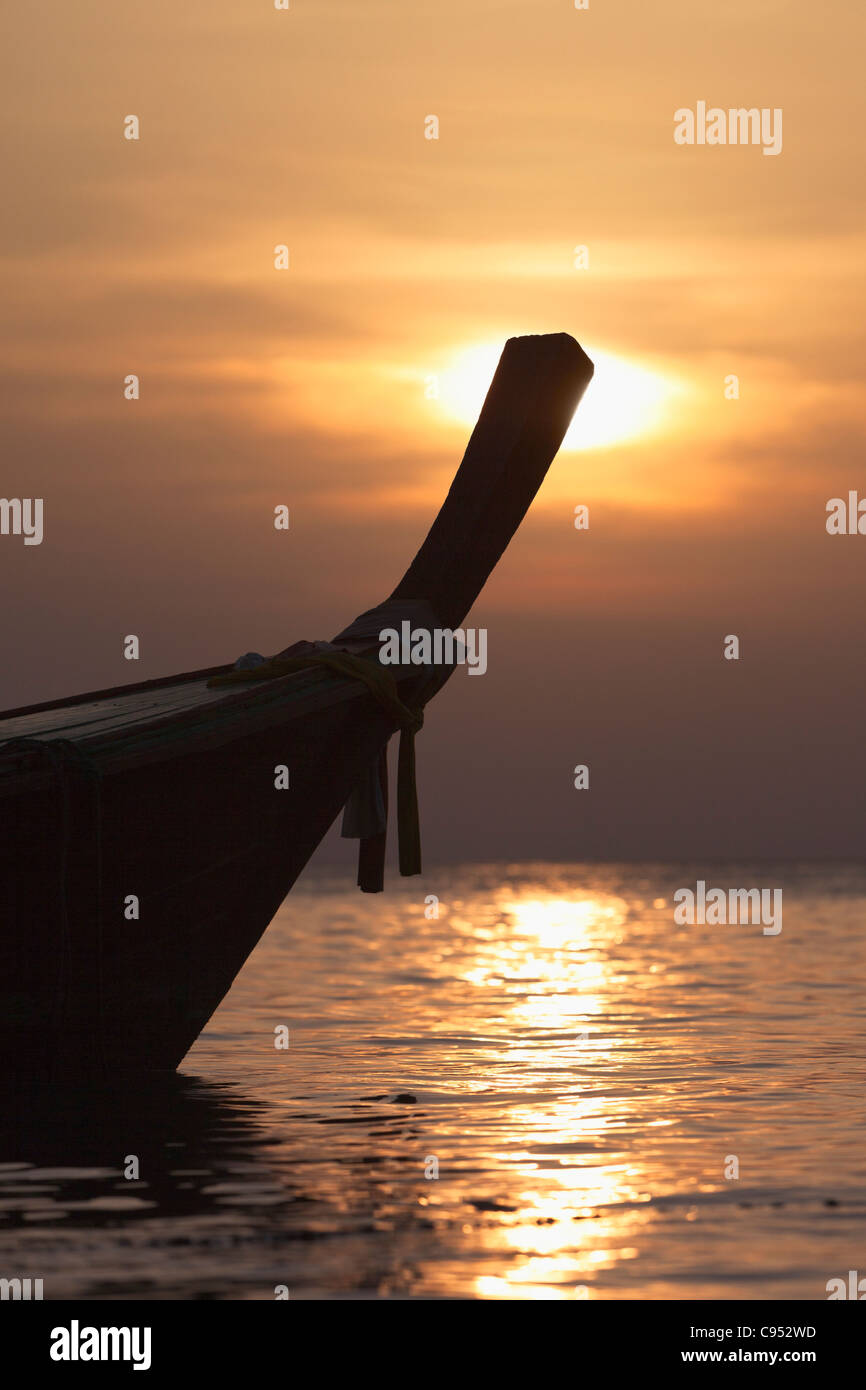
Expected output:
{"points": [[136, 687], [241, 713]]}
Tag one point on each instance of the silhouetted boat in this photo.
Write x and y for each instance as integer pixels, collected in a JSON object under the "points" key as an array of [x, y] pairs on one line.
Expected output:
{"points": [[166, 792]]}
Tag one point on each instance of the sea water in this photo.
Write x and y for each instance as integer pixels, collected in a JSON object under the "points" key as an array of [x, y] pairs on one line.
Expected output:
{"points": [[502, 1081]]}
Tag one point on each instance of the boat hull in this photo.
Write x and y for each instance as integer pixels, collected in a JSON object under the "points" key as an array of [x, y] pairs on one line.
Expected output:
{"points": [[206, 844]]}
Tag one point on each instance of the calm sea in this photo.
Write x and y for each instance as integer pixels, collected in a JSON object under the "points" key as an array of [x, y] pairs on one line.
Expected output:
{"points": [[585, 1076]]}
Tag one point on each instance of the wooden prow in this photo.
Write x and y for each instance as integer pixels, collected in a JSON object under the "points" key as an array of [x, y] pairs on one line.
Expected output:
{"points": [[175, 799], [534, 393]]}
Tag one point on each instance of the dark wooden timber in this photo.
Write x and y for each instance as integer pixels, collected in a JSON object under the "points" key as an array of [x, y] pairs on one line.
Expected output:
{"points": [[528, 408], [173, 800]]}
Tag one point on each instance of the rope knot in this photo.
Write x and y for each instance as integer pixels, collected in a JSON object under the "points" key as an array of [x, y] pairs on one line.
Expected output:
{"points": [[410, 720]]}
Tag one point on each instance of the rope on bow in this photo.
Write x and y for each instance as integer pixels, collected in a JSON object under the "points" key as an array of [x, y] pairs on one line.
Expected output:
{"points": [[383, 687]]}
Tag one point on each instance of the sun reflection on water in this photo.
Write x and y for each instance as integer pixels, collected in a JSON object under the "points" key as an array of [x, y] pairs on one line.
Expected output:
{"points": [[575, 1211], [578, 1064]]}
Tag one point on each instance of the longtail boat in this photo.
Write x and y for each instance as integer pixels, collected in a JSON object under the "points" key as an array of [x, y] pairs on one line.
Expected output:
{"points": [[149, 833]]}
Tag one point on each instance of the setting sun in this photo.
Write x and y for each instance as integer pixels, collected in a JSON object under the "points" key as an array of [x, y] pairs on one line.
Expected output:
{"points": [[622, 401]]}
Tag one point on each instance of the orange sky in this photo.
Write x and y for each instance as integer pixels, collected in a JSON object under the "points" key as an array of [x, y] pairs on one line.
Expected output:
{"points": [[307, 387]]}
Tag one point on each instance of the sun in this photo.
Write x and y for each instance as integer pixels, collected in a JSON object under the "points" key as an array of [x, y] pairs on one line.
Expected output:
{"points": [[623, 400]]}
